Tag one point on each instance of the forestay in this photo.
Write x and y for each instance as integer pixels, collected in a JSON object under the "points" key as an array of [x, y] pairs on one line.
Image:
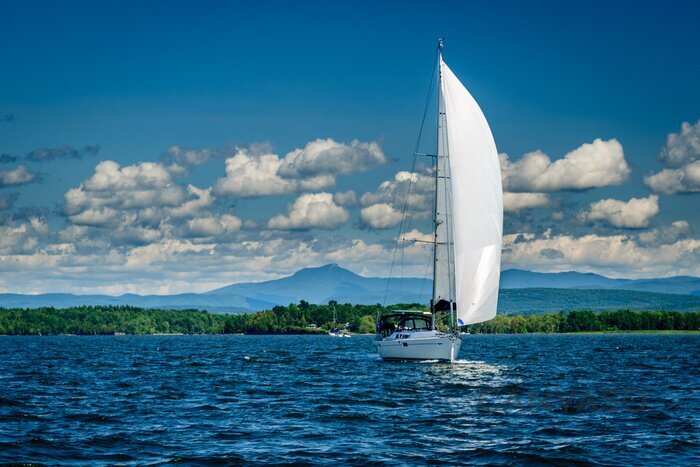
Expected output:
{"points": [[477, 202]]}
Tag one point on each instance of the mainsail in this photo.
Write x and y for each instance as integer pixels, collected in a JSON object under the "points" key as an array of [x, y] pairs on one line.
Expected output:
{"points": [[443, 260], [469, 206]]}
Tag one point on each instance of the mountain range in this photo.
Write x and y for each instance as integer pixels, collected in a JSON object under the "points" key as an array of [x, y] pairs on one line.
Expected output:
{"points": [[521, 292], [519, 279]]}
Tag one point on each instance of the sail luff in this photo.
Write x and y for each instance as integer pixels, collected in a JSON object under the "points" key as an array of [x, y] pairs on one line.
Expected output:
{"points": [[477, 202]]}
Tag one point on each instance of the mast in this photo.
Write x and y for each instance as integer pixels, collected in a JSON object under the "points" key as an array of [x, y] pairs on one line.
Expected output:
{"points": [[443, 275], [433, 300], [443, 271]]}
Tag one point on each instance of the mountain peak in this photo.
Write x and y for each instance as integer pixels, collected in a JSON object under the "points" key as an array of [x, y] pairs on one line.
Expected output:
{"points": [[324, 271]]}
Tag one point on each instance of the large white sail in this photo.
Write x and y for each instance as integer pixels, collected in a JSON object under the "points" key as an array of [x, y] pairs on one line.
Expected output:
{"points": [[477, 202]]}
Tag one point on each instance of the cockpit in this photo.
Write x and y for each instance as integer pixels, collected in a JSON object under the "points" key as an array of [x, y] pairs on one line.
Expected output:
{"points": [[405, 321]]}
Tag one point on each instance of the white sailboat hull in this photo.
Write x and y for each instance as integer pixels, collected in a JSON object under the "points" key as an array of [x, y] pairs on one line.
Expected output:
{"points": [[441, 347]]}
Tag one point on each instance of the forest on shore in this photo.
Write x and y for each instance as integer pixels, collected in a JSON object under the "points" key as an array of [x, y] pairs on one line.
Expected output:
{"points": [[306, 318]]}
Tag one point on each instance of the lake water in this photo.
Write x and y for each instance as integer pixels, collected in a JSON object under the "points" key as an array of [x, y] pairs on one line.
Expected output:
{"points": [[562, 399]]}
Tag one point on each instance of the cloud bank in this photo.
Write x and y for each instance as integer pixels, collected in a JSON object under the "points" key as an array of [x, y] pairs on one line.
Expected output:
{"points": [[142, 228]]}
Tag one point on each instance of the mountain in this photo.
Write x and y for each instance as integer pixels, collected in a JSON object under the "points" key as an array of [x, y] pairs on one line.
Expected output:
{"points": [[315, 285], [519, 279], [541, 300], [331, 282], [521, 292]]}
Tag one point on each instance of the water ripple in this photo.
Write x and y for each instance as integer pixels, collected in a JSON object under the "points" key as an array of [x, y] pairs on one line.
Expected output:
{"points": [[154, 400]]}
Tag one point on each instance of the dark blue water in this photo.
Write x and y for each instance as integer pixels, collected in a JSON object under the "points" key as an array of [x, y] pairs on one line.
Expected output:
{"points": [[609, 399]]}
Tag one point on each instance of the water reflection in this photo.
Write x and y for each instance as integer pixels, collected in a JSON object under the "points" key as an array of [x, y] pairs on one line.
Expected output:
{"points": [[473, 373]]}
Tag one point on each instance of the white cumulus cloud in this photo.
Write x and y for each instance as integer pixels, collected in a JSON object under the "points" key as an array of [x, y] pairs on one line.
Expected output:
{"points": [[255, 171], [358, 251], [417, 186], [253, 175], [633, 214], [614, 255], [681, 156], [141, 185], [682, 148], [417, 235], [141, 203], [183, 156], [103, 216], [24, 237], [518, 201], [213, 225], [17, 176], [346, 198], [164, 251], [671, 181], [382, 208], [597, 164], [666, 234], [309, 211], [111, 176], [325, 156], [380, 216], [198, 200]]}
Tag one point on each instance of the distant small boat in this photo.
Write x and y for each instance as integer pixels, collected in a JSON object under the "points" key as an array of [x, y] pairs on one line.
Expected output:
{"points": [[336, 331], [468, 225]]}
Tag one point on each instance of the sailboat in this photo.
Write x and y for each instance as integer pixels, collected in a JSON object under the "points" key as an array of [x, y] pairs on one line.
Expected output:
{"points": [[467, 226], [335, 330]]}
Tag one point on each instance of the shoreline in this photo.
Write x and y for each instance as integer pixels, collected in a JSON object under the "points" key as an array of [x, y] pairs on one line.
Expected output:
{"points": [[596, 333]]}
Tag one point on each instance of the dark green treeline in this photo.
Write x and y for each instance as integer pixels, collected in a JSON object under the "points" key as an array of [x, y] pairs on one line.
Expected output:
{"points": [[308, 318], [293, 319], [589, 321]]}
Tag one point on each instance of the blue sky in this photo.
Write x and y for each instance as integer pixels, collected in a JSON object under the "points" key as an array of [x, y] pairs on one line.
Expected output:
{"points": [[138, 79]]}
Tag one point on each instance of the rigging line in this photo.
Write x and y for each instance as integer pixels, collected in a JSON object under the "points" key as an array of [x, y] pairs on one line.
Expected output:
{"points": [[413, 169], [401, 226], [425, 277], [403, 251], [408, 223]]}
